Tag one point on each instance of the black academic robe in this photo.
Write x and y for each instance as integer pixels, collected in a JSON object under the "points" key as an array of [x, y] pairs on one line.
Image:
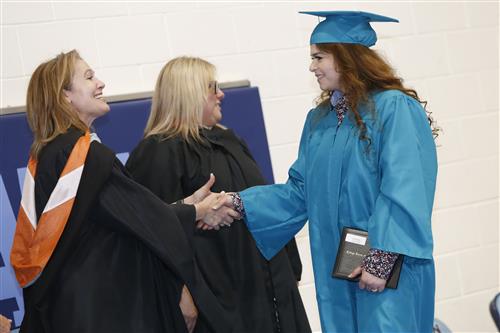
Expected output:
{"points": [[122, 259], [261, 295]]}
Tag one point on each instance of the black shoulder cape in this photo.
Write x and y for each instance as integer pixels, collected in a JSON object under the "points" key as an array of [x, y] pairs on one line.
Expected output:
{"points": [[262, 296]]}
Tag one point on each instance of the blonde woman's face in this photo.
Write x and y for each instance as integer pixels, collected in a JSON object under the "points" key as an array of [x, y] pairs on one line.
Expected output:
{"points": [[85, 93], [212, 112]]}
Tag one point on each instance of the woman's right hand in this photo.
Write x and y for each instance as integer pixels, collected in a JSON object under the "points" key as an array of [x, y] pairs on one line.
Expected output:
{"points": [[215, 210]]}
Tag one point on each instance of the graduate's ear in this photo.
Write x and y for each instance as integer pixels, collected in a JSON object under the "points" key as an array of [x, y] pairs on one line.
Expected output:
{"points": [[67, 95], [336, 65]]}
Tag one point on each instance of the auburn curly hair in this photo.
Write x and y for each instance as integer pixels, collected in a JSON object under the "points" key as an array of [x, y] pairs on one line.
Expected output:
{"points": [[362, 70]]}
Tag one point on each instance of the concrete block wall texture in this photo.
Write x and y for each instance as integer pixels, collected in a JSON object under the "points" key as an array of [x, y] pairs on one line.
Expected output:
{"points": [[448, 51]]}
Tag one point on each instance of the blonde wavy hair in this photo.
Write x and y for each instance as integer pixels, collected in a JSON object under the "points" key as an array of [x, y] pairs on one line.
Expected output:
{"points": [[180, 94], [49, 113]]}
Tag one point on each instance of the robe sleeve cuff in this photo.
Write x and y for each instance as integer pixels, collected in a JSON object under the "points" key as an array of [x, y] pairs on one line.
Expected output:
{"points": [[379, 263]]}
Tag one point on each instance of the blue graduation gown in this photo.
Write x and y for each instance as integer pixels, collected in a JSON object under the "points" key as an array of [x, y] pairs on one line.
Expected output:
{"points": [[387, 190]]}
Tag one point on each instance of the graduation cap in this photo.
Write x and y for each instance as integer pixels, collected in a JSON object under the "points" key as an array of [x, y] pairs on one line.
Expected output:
{"points": [[346, 27]]}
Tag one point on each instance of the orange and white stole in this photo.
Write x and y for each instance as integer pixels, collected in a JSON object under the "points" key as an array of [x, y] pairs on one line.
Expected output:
{"points": [[35, 242]]}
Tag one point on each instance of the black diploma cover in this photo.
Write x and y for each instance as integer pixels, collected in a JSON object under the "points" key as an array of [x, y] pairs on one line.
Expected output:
{"points": [[354, 246]]}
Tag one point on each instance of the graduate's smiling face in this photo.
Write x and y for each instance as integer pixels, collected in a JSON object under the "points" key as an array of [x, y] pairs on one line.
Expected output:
{"points": [[212, 113], [324, 68], [85, 93]]}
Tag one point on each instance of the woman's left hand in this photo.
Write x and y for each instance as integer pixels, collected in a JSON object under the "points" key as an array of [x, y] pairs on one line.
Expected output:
{"points": [[188, 308], [5, 324], [368, 281]]}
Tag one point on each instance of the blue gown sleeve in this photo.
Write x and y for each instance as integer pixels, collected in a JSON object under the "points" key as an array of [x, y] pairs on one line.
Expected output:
{"points": [[275, 213], [401, 219]]}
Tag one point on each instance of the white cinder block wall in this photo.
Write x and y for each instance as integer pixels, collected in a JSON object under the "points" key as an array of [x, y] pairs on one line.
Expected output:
{"points": [[447, 51]]}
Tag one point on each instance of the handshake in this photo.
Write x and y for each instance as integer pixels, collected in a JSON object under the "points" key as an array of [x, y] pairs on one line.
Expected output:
{"points": [[213, 210]]}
